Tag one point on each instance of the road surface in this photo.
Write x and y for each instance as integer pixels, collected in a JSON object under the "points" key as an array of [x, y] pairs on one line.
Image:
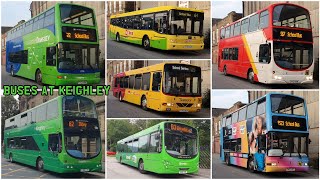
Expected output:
{"points": [[219, 81], [21, 171], [222, 171], [117, 109], [115, 170], [123, 50]]}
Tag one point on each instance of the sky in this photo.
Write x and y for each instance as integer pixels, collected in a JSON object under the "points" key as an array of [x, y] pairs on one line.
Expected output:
{"points": [[226, 98], [14, 11], [221, 9]]}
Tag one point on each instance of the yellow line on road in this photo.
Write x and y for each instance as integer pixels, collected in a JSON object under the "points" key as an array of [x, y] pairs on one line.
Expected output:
{"points": [[8, 165], [42, 175], [12, 172]]}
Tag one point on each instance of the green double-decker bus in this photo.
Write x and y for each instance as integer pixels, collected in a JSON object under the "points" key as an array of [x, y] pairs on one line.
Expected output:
{"points": [[61, 135], [166, 148], [58, 47]]}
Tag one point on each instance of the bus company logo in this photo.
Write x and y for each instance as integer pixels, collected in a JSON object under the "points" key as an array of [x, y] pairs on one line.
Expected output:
{"points": [[38, 40], [40, 128], [184, 14], [128, 157], [134, 158], [290, 34], [234, 130], [242, 128], [129, 33], [180, 68], [185, 100], [81, 36], [17, 46]]}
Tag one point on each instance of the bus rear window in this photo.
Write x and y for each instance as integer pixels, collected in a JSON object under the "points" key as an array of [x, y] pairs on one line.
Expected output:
{"points": [[72, 14]]}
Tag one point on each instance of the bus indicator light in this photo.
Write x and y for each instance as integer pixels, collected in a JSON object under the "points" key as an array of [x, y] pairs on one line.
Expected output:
{"points": [[71, 123]]}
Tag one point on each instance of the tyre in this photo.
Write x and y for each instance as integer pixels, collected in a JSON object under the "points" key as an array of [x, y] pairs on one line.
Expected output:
{"points": [[141, 167], [39, 77], [40, 164], [228, 160], [117, 37], [144, 103], [225, 71], [120, 160], [250, 165], [251, 76], [146, 43], [12, 72], [120, 97], [10, 158]]}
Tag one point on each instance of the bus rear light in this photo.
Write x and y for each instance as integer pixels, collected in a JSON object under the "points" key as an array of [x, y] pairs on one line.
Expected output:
{"points": [[59, 77]]}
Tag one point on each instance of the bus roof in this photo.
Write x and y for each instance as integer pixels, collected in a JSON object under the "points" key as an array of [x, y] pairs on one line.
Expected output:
{"points": [[270, 6], [147, 131], [156, 67], [155, 9]]}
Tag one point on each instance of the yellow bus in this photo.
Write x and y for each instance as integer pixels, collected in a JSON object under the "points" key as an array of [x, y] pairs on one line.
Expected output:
{"points": [[165, 28], [170, 87]]}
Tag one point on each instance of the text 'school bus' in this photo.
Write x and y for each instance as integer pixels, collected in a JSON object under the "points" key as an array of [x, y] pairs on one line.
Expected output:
{"points": [[166, 148], [61, 135], [165, 28], [271, 46], [58, 47], [268, 135], [171, 87]]}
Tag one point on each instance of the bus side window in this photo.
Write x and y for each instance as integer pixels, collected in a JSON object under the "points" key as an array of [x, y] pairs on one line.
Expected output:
{"points": [[51, 56], [264, 53], [156, 81]]}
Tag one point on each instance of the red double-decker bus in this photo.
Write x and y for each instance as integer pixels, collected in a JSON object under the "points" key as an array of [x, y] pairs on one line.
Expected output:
{"points": [[271, 46]]}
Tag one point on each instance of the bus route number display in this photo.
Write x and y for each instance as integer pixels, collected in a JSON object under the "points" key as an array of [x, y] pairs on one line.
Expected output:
{"points": [[79, 34], [289, 123], [177, 127], [78, 123]]}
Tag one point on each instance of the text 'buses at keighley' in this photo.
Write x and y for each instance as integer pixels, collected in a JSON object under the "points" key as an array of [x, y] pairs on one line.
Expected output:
{"points": [[61, 135], [268, 135], [165, 28], [171, 87], [58, 47], [271, 46], [166, 148]]}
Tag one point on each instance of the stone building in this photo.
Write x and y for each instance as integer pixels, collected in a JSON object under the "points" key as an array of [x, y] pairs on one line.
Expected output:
{"points": [[217, 114], [37, 7], [28, 102], [118, 66], [250, 7], [216, 25], [116, 7], [312, 101], [4, 30]]}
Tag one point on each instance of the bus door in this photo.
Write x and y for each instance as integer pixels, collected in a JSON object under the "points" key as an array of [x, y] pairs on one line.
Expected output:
{"points": [[54, 148], [260, 155], [154, 97], [153, 157], [263, 57], [50, 60]]}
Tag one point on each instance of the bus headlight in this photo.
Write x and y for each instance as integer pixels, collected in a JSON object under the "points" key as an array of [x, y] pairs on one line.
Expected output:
{"points": [[199, 105], [309, 77], [173, 40], [273, 164], [167, 104], [277, 77]]}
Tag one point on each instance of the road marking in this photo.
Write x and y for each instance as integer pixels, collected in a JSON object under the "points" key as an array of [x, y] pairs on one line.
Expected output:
{"points": [[42, 175], [8, 165], [5, 174]]}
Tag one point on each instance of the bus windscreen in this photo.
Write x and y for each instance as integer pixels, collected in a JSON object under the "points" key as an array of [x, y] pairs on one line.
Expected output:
{"points": [[186, 23], [73, 14]]}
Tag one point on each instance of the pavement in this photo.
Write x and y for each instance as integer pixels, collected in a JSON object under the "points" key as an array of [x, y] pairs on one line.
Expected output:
{"points": [[115, 170], [220, 81], [124, 50], [20, 171], [117, 109], [221, 171]]}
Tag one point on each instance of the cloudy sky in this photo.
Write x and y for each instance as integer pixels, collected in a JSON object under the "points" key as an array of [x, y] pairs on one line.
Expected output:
{"points": [[14, 11], [221, 9], [226, 98]]}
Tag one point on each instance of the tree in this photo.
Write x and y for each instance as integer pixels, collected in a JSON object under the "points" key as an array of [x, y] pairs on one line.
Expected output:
{"points": [[9, 108]]}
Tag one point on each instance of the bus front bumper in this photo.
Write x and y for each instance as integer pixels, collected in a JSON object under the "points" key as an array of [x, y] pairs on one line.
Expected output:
{"points": [[291, 79], [185, 47], [77, 81], [180, 170], [180, 109], [287, 168], [81, 168]]}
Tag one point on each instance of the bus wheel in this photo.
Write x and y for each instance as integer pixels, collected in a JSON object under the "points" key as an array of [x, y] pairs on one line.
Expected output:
{"points": [[12, 72], [141, 167], [40, 164], [117, 37], [251, 76], [120, 97], [225, 71], [144, 103], [251, 165], [10, 158], [228, 160], [39, 77], [146, 43], [120, 160]]}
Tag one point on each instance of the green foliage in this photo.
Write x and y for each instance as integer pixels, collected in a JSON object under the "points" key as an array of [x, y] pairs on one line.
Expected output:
{"points": [[9, 108], [206, 99]]}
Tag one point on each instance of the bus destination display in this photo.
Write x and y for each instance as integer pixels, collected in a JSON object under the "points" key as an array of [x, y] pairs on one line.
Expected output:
{"points": [[289, 123], [78, 34]]}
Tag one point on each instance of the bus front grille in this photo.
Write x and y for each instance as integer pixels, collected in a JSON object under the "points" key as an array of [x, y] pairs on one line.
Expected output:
{"points": [[184, 104]]}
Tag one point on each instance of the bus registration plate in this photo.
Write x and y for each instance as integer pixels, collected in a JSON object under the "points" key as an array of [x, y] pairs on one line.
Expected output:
{"points": [[84, 170], [188, 47], [82, 82], [183, 111], [183, 172], [290, 169]]}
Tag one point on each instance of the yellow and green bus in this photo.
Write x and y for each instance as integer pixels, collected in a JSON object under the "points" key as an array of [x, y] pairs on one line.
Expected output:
{"points": [[166, 148], [61, 135], [169, 87], [58, 47], [165, 28]]}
